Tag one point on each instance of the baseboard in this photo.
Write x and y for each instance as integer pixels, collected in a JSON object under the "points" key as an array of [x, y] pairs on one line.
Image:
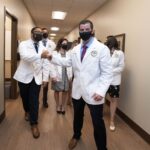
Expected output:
{"points": [[2, 116], [132, 124]]}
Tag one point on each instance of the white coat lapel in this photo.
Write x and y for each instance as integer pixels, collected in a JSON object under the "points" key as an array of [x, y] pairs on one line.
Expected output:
{"points": [[77, 54], [31, 46], [41, 47]]}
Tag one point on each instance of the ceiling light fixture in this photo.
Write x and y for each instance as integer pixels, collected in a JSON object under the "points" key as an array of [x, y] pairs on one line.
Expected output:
{"points": [[54, 28], [52, 34], [52, 38], [60, 15]]}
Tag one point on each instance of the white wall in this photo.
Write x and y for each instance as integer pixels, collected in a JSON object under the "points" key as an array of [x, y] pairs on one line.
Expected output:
{"points": [[1, 57], [8, 45], [130, 17], [25, 23], [8, 23]]}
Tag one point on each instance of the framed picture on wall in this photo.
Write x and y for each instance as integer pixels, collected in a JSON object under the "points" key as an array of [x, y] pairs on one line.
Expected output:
{"points": [[121, 41]]}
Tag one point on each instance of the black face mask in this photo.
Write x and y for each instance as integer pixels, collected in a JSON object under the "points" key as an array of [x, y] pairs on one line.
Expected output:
{"points": [[85, 35], [45, 35], [37, 36], [64, 46]]}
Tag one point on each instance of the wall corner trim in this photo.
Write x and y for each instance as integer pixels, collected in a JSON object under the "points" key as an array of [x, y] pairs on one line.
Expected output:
{"points": [[132, 124]]}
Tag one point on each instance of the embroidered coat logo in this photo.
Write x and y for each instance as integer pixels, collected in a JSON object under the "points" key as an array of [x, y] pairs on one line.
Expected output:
{"points": [[94, 53]]}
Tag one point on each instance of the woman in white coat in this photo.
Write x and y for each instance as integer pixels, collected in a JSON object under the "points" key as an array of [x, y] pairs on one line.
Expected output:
{"points": [[117, 57], [61, 77]]}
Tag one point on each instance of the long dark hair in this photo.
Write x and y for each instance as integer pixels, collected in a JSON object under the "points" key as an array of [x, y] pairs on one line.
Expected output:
{"points": [[112, 42]]}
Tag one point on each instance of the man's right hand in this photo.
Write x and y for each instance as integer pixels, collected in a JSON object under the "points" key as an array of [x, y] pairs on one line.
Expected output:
{"points": [[45, 54], [49, 56]]}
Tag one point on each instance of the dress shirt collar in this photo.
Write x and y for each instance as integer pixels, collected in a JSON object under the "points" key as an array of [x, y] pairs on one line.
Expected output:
{"points": [[90, 41]]}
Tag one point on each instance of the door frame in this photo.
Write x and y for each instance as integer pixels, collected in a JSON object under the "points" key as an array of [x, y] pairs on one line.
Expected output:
{"points": [[14, 44]]}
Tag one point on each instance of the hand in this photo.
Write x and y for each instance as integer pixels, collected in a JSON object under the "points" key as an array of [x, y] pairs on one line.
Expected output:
{"points": [[97, 97], [45, 54], [44, 84], [49, 56]]}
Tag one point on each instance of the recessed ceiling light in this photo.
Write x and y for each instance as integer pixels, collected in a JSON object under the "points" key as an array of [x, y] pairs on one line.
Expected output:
{"points": [[52, 34], [52, 38], [54, 28], [58, 15]]}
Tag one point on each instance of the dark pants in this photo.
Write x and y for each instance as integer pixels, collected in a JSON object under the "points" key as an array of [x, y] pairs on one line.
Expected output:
{"points": [[96, 112], [30, 98], [45, 91]]}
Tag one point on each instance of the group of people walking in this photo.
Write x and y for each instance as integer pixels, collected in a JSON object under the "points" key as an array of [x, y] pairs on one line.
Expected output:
{"points": [[93, 68]]}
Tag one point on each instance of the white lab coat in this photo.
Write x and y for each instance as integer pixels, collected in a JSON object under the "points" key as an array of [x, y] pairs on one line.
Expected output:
{"points": [[50, 46], [92, 75], [31, 65], [56, 70], [118, 64]]}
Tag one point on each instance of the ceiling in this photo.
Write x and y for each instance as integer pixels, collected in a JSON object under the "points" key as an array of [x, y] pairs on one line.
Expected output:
{"points": [[77, 10]]}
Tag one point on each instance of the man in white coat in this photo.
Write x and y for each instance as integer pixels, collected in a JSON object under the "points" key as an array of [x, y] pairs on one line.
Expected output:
{"points": [[30, 74], [50, 46], [91, 64]]}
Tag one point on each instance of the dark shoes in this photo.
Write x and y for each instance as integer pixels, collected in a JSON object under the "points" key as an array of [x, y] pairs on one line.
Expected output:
{"points": [[72, 144], [63, 112], [35, 131], [58, 109], [45, 104], [26, 117], [58, 112]]}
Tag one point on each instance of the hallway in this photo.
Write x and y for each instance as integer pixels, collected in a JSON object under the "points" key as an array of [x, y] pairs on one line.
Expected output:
{"points": [[56, 130]]}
